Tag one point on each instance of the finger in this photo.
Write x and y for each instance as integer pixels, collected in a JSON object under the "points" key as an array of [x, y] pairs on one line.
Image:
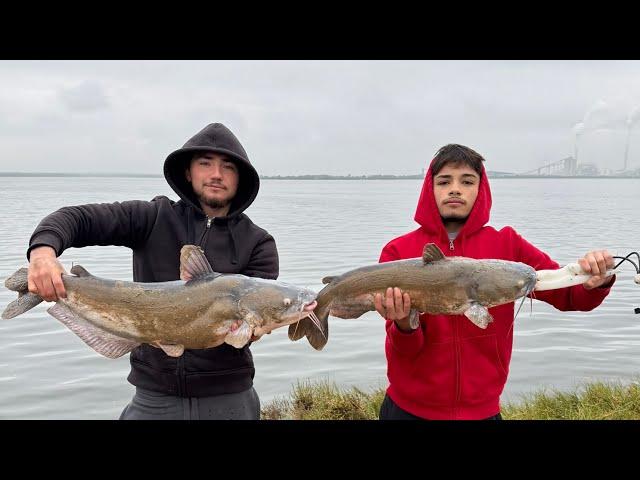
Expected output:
{"points": [[45, 289], [602, 263], [397, 297], [608, 260], [389, 304], [59, 286], [593, 282], [377, 301], [31, 285], [593, 263], [39, 290], [407, 304], [52, 290], [584, 264]]}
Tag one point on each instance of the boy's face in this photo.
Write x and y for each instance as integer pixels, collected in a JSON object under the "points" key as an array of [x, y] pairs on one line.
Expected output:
{"points": [[214, 179], [455, 189]]}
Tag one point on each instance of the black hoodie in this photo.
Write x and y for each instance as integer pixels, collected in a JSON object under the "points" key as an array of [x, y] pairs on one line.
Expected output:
{"points": [[156, 231]]}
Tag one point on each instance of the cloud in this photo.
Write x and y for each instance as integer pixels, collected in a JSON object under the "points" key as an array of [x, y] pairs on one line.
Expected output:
{"points": [[88, 96], [298, 117]]}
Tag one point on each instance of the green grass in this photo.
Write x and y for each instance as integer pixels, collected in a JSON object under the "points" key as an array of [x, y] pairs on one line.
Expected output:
{"points": [[593, 401], [325, 401]]}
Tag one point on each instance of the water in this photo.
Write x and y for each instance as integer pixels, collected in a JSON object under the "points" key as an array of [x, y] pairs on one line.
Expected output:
{"points": [[324, 228]]}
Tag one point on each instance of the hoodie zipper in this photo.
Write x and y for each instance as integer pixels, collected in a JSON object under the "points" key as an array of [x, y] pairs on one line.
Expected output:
{"points": [[205, 231], [456, 341], [456, 346]]}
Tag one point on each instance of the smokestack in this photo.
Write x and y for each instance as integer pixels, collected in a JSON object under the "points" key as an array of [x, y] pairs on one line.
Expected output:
{"points": [[578, 128], [632, 118], [626, 148]]}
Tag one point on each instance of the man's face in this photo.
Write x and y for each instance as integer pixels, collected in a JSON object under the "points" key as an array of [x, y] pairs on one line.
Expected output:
{"points": [[455, 189], [214, 179]]}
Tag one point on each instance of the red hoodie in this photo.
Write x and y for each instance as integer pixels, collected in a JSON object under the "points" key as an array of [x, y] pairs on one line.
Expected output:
{"points": [[448, 368]]}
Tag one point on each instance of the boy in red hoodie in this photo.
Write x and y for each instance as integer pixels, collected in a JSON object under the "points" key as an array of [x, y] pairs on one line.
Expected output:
{"points": [[448, 368]]}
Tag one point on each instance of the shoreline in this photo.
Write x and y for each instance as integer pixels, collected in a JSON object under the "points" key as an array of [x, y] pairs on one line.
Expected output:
{"points": [[595, 400]]}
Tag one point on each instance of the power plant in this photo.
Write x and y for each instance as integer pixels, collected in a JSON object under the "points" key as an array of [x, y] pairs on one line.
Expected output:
{"points": [[572, 167]]}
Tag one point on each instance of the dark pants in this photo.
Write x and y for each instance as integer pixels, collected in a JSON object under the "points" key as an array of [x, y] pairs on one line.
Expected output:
{"points": [[150, 405], [390, 411]]}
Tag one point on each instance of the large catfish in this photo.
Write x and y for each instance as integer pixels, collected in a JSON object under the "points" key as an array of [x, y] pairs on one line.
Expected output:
{"points": [[202, 310], [435, 283]]}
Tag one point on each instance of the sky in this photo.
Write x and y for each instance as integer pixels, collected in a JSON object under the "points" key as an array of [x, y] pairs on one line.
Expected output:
{"points": [[318, 117]]}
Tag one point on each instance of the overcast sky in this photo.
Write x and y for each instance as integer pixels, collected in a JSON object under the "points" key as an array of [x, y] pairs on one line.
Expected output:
{"points": [[305, 117]]}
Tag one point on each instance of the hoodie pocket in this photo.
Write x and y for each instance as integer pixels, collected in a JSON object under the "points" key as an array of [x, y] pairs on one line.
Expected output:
{"points": [[433, 379], [482, 373]]}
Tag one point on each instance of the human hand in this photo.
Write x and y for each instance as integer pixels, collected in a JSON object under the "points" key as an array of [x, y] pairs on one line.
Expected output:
{"points": [[45, 274], [596, 263], [394, 306]]}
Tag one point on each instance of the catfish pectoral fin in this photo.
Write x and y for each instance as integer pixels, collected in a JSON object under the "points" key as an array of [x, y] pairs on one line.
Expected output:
{"points": [[414, 318], [171, 349], [479, 315], [240, 336]]}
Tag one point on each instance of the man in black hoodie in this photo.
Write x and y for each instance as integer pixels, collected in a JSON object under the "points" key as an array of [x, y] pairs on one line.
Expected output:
{"points": [[216, 182]]}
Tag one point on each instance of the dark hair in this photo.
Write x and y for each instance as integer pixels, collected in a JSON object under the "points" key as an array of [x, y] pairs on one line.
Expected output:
{"points": [[456, 155]]}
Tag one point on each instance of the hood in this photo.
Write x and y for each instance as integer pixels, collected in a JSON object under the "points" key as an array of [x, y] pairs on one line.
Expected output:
{"points": [[215, 137], [428, 217]]}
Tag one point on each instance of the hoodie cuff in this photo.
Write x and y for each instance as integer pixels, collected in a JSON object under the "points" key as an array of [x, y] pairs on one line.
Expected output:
{"points": [[590, 299], [407, 343], [45, 238]]}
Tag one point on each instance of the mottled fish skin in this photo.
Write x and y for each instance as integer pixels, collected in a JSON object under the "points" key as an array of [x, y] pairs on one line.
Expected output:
{"points": [[444, 285], [204, 311], [196, 314]]}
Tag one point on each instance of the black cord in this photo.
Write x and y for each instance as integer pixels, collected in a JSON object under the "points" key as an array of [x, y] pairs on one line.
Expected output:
{"points": [[637, 267], [630, 261]]}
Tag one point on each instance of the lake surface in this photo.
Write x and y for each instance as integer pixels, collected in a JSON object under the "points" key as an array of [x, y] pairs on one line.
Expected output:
{"points": [[325, 227]]}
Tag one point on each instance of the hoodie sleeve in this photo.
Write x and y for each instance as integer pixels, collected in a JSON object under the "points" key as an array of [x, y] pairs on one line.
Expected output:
{"points": [[264, 262], [407, 344], [564, 299], [126, 224]]}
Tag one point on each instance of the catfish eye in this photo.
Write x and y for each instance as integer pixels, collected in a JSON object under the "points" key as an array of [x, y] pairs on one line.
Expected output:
{"points": [[287, 302]]}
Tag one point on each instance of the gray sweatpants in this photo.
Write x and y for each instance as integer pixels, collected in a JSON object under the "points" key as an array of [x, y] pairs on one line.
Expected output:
{"points": [[150, 405]]}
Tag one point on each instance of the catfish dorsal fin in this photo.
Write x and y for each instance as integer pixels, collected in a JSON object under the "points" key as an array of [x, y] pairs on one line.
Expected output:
{"points": [[329, 279], [79, 271], [431, 253], [193, 263]]}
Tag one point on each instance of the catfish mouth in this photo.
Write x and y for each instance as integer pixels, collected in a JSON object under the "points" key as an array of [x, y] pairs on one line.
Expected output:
{"points": [[530, 286], [304, 311], [309, 307]]}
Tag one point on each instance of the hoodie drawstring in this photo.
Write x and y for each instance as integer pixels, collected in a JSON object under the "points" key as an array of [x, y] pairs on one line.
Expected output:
{"points": [[190, 232], [234, 250]]}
